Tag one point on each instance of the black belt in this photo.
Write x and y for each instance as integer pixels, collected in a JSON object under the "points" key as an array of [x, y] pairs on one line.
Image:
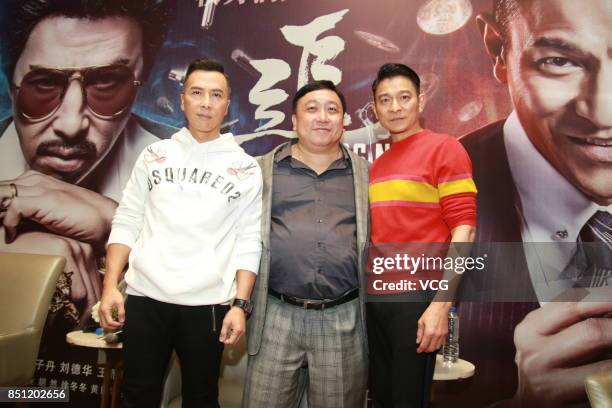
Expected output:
{"points": [[315, 304]]}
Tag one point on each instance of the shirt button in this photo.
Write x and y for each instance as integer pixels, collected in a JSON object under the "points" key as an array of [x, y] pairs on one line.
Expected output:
{"points": [[319, 221], [319, 244]]}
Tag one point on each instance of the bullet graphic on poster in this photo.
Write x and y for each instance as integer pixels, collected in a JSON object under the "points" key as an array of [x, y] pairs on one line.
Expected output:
{"points": [[209, 13], [244, 61], [377, 41], [177, 74], [469, 111], [164, 105]]}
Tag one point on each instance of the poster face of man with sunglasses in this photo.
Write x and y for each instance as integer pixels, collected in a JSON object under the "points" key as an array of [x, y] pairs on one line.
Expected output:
{"points": [[68, 118], [69, 147]]}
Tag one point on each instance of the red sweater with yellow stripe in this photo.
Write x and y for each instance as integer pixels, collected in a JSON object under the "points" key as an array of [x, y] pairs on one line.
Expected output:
{"points": [[420, 189]]}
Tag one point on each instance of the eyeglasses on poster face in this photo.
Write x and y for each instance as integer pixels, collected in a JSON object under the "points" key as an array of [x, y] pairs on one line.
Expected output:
{"points": [[107, 90]]}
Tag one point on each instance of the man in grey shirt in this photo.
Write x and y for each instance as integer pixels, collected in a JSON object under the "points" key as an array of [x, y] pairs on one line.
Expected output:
{"points": [[320, 209], [307, 327]]}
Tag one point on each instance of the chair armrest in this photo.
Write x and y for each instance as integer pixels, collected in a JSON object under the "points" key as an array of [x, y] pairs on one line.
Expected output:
{"points": [[18, 351], [599, 389]]}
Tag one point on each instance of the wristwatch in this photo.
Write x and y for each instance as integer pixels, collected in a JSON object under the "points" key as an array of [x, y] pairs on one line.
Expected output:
{"points": [[245, 305]]}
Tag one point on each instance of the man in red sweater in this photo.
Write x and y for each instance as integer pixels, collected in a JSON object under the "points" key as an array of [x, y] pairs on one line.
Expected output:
{"points": [[421, 191]]}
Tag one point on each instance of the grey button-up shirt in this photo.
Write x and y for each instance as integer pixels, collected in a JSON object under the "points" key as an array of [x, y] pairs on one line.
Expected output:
{"points": [[313, 233]]}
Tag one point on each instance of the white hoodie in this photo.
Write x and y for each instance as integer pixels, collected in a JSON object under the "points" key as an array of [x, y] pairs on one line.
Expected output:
{"points": [[191, 213]]}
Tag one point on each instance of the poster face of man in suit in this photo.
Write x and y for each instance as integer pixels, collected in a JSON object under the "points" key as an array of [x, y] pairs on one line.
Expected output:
{"points": [[556, 148], [555, 58]]}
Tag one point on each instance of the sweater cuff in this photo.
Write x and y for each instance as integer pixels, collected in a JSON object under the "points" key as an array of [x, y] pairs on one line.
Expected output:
{"points": [[249, 261], [471, 221], [120, 236]]}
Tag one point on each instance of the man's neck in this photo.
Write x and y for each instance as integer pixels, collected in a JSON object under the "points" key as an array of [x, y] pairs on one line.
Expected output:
{"points": [[319, 160], [202, 137], [398, 137]]}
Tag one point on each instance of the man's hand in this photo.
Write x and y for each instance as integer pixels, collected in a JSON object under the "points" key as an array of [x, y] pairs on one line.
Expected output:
{"points": [[111, 303], [81, 261], [62, 208], [234, 324], [433, 327], [560, 344]]}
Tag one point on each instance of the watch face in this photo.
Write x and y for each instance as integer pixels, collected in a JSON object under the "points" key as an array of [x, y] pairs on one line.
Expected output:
{"points": [[245, 305]]}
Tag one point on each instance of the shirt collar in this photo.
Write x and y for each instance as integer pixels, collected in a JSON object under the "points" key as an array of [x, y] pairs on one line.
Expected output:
{"points": [[284, 154], [553, 209]]}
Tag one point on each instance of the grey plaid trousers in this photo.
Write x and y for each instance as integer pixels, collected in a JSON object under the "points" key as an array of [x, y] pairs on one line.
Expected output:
{"points": [[320, 351]]}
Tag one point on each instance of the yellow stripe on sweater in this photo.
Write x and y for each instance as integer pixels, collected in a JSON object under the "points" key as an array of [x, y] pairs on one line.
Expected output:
{"points": [[456, 187], [403, 190]]}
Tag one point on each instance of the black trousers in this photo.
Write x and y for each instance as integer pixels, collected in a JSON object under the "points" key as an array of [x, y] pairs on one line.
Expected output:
{"points": [[399, 377], [152, 330]]}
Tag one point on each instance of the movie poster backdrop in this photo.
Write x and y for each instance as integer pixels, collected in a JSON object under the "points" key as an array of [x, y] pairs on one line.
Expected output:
{"points": [[269, 48]]}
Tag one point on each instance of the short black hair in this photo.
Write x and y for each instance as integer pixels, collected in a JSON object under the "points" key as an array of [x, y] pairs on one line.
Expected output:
{"points": [[316, 86], [206, 64], [504, 11], [153, 16], [394, 69]]}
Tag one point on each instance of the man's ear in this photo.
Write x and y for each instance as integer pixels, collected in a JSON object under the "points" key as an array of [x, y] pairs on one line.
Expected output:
{"points": [[182, 101], [492, 36], [422, 101], [293, 121], [375, 111]]}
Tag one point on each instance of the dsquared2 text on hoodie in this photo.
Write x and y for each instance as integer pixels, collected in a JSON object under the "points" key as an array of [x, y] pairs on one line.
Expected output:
{"points": [[194, 176]]}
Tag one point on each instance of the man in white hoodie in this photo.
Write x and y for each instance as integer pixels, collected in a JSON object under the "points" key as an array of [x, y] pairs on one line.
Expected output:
{"points": [[189, 225]]}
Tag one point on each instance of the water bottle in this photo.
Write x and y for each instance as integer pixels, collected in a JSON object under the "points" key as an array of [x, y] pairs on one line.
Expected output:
{"points": [[450, 350]]}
